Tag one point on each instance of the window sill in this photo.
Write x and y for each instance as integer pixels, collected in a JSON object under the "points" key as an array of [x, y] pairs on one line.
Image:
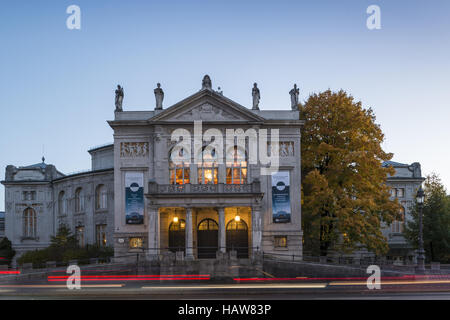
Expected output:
{"points": [[29, 239]]}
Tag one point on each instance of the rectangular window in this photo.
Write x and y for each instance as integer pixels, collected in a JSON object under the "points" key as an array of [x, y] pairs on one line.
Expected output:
{"points": [[237, 174], [101, 234], [136, 243], [179, 174], [400, 193], [280, 241], [208, 174]]}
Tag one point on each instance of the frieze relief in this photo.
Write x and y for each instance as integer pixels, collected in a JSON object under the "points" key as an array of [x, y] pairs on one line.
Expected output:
{"points": [[286, 148], [133, 149]]}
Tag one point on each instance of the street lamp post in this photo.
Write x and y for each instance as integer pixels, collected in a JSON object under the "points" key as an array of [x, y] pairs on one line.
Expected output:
{"points": [[421, 252]]}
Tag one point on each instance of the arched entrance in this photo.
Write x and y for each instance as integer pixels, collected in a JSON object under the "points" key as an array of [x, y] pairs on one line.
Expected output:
{"points": [[237, 237], [177, 236], [207, 239]]}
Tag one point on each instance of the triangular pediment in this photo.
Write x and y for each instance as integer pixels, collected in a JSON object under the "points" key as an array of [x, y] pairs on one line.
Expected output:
{"points": [[208, 106]]}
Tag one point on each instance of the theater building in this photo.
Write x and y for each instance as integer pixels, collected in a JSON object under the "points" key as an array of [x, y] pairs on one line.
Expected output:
{"points": [[181, 180], [211, 199]]}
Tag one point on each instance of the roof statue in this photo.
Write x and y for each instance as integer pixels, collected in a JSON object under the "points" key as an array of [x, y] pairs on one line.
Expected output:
{"points": [[294, 97], [159, 96], [119, 98], [206, 83], [256, 96]]}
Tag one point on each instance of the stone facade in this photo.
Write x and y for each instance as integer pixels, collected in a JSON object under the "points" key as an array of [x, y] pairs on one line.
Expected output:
{"points": [[38, 198], [230, 213], [142, 145], [2, 224], [404, 185]]}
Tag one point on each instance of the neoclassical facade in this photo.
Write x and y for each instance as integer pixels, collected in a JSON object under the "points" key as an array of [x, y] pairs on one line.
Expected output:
{"points": [[403, 186], [213, 198], [39, 198], [201, 178]]}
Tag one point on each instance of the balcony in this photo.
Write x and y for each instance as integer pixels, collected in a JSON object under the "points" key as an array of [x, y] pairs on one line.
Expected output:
{"points": [[204, 189]]}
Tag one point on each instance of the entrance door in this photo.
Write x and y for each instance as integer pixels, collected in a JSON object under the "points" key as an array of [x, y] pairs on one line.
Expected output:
{"points": [[237, 238], [207, 239], [177, 236]]}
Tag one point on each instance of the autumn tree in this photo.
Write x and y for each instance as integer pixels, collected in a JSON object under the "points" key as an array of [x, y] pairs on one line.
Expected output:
{"points": [[343, 180], [436, 221]]}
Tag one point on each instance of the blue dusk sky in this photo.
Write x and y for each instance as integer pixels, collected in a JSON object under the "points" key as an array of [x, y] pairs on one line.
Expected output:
{"points": [[57, 85]]}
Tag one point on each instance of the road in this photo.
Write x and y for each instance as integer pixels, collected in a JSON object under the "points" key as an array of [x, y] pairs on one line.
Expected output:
{"points": [[297, 290]]}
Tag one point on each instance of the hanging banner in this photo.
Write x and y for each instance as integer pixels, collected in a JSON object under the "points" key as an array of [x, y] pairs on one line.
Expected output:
{"points": [[281, 201], [134, 197]]}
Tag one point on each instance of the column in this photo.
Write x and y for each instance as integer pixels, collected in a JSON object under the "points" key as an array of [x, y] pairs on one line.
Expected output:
{"points": [[153, 232], [222, 232], [189, 236], [256, 230]]}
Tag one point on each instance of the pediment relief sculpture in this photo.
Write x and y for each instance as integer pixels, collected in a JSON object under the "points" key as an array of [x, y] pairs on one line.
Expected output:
{"points": [[207, 112]]}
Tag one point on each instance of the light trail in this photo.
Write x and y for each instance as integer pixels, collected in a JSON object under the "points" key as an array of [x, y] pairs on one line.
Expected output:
{"points": [[363, 283], [246, 286], [10, 272], [60, 286]]}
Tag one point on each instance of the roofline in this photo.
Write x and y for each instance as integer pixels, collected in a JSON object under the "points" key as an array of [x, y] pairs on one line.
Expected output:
{"points": [[82, 173], [104, 146]]}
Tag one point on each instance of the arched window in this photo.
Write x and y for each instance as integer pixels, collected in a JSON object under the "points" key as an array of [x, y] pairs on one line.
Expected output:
{"points": [[101, 197], [179, 172], [208, 169], [237, 168], [29, 223], [79, 200], [397, 225], [208, 224], [62, 203]]}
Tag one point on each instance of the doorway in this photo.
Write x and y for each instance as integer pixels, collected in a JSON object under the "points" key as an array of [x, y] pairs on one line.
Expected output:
{"points": [[237, 238], [207, 239]]}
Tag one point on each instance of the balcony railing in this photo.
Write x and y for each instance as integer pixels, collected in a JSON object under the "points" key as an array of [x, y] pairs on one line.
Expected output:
{"points": [[221, 188]]}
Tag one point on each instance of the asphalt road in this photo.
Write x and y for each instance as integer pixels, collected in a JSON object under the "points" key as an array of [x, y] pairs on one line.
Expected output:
{"points": [[137, 290]]}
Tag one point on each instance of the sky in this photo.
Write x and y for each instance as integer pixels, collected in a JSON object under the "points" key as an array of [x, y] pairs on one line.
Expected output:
{"points": [[57, 85]]}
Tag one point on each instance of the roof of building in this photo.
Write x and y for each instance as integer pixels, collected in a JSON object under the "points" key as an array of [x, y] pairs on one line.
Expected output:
{"points": [[41, 165], [394, 164], [103, 146]]}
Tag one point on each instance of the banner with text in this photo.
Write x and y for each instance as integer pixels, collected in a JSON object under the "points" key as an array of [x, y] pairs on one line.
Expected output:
{"points": [[134, 197], [281, 201]]}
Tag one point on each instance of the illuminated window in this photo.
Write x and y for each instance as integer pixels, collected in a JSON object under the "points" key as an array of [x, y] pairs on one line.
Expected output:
{"points": [[79, 232], [179, 173], [208, 224], [79, 200], [397, 225], [100, 231], [136, 243], [101, 197], [29, 223], [237, 169], [280, 241], [208, 170]]}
